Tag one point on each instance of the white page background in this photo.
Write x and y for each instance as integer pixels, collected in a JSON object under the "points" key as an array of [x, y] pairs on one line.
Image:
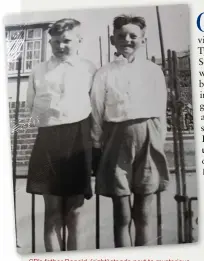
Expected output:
{"points": [[7, 244]]}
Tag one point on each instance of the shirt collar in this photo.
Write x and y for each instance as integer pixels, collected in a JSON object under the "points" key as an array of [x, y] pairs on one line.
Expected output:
{"points": [[138, 58], [72, 60]]}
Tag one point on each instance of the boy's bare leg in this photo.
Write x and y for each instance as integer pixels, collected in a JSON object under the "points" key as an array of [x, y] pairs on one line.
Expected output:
{"points": [[141, 214], [74, 206], [122, 220], [52, 223]]}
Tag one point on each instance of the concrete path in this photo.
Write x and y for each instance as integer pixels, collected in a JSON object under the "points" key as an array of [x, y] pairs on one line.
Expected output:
{"points": [[169, 217]]}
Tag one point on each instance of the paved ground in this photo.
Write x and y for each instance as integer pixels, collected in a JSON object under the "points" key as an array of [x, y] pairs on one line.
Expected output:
{"points": [[169, 218]]}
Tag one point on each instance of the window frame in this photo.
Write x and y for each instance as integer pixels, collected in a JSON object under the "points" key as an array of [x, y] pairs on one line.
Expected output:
{"points": [[34, 28], [40, 38], [33, 50], [15, 71]]}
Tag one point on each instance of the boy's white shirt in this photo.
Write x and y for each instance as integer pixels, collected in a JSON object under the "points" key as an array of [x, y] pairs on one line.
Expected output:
{"points": [[123, 91], [58, 92]]}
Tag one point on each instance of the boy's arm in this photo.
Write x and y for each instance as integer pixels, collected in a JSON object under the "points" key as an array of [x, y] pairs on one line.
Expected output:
{"points": [[162, 98], [91, 68], [93, 71], [30, 92], [98, 106]]}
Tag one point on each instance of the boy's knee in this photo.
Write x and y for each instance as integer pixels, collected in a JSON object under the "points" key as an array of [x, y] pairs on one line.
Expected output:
{"points": [[142, 217], [141, 212], [122, 221], [74, 203], [73, 221], [74, 209], [122, 211], [53, 220], [74, 213]]}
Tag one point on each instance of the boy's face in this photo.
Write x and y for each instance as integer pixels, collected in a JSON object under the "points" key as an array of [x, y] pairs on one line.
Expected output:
{"points": [[128, 39], [65, 44]]}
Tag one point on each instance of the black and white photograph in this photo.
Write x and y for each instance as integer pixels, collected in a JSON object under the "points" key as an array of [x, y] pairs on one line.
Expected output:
{"points": [[101, 128]]}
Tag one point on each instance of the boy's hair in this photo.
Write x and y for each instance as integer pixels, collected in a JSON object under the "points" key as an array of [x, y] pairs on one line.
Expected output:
{"points": [[122, 20], [63, 25]]}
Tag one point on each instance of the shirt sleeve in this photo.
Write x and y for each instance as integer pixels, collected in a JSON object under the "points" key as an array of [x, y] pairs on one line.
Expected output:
{"points": [[98, 107], [162, 99], [30, 92], [91, 70]]}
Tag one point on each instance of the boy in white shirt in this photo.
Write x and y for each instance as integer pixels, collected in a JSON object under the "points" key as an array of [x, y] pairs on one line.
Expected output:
{"points": [[60, 163], [129, 98]]}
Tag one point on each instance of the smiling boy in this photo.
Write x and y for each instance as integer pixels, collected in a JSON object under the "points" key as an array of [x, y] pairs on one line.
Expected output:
{"points": [[129, 98]]}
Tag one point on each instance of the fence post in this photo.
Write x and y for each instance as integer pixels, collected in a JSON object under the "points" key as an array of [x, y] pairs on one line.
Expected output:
{"points": [[161, 38], [97, 196], [33, 221], [108, 44], [176, 149], [146, 48], [181, 148], [190, 239], [158, 202], [15, 140]]}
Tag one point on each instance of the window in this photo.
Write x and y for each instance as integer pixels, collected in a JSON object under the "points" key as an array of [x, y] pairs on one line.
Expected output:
{"points": [[28, 44]]}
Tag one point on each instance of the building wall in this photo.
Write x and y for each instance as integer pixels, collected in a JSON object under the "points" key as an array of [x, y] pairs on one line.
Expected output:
{"points": [[12, 89], [26, 133]]}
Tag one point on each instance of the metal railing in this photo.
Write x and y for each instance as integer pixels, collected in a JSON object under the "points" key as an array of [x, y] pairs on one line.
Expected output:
{"points": [[184, 209]]}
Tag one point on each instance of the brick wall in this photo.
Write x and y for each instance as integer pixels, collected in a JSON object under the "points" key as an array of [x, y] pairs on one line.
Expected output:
{"points": [[26, 133]]}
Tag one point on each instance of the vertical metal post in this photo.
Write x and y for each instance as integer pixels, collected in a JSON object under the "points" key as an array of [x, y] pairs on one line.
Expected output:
{"points": [[175, 140], [181, 147], [63, 224], [97, 221], [33, 221], [108, 43], [159, 212], [161, 38], [190, 239], [15, 140], [159, 219], [146, 48], [100, 50], [97, 196]]}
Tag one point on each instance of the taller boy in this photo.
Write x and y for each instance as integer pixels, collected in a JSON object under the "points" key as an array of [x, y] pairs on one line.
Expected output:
{"points": [[129, 98]]}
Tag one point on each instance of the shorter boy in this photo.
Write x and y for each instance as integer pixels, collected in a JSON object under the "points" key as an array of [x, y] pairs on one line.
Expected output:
{"points": [[129, 98], [60, 163]]}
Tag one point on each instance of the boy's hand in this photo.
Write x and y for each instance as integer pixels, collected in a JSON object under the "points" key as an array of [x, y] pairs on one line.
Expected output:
{"points": [[163, 186], [89, 193], [96, 158]]}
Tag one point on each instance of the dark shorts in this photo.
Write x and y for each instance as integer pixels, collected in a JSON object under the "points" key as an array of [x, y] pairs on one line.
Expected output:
{"points": [[60, 162]]}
